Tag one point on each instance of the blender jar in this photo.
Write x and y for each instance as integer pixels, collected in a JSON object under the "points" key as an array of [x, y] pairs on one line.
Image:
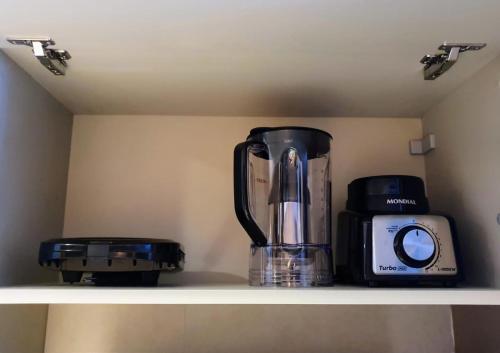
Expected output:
{"points": [[283, 201]]}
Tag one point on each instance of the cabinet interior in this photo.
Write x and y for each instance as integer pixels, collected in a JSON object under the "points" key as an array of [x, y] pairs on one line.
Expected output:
{"points": [[171, 176], [72, 172]]}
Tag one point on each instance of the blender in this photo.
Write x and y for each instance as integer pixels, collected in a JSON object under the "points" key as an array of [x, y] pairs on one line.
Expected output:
{"points": [[282, 196]]}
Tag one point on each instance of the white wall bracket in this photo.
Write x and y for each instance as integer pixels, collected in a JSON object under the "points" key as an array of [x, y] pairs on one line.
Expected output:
{"points": [[423, 145]]}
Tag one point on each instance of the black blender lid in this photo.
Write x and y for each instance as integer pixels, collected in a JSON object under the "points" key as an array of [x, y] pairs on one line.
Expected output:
{"points": [[160, 250], [112, 260], [388, 194], [260, 130], [109, 240]]}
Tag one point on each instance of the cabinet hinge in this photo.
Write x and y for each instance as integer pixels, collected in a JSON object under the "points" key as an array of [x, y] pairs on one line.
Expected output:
{"points": [[437, 64], [53, 59]]}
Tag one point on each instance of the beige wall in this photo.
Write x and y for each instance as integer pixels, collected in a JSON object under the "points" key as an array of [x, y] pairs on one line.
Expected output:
{"points": [[22, 328], [248, 328], [463, 173], [476, 329], [463, 178], [172, 176], [35, 134]]}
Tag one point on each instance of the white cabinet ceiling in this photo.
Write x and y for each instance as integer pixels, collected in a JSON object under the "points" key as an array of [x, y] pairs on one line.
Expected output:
{"points": [[253, 57]]}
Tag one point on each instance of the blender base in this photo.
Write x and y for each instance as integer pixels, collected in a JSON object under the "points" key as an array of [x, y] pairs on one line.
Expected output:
{"points": [[291, 265]]}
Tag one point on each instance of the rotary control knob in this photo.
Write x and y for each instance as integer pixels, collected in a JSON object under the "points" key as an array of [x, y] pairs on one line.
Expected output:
{"points": [[414, 246]]}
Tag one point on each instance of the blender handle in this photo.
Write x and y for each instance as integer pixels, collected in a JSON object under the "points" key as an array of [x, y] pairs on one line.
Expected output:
{"points": [[241, 194]]}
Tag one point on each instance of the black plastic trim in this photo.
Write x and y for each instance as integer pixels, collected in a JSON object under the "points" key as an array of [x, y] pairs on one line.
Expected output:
{"points": [[241, 194], [387, 194], [260, 130]]}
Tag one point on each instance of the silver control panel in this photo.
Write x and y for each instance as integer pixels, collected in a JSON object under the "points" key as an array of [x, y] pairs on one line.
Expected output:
{"points": [[412, 245]]}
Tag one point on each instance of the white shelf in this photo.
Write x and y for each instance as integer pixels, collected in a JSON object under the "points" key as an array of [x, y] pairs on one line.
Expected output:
{"points": [[223, 288], [242, 294]]}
